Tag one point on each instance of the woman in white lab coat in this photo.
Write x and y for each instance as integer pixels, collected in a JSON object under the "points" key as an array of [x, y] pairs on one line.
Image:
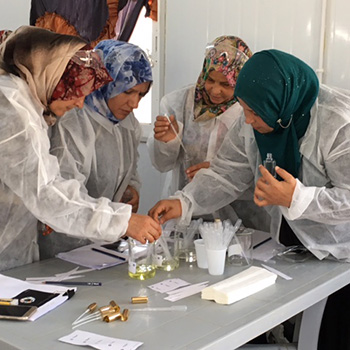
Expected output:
{"points": [[98, 145], [311, 149], [42, 75], [201, 114], [306, 128]]}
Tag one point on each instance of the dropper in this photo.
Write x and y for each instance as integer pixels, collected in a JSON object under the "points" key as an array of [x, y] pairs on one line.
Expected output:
{"points": [[168, 308], [163, 243], [175, 132], [90, 309]]}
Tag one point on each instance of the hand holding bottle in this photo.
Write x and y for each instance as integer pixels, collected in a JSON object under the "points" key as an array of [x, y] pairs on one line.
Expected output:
{"points": [[270, 191]]}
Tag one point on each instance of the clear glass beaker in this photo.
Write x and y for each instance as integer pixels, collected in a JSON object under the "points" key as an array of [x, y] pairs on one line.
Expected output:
{"points": [[184, 244], [240, 249], [141, 260], [166, 258]]}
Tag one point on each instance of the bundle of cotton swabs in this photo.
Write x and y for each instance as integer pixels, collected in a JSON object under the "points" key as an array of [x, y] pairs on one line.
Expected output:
{"points": [[218, 234]]}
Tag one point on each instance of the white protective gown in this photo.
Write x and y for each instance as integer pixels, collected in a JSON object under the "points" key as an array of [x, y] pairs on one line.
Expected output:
{"points": [[320, 211], [202, 141], [31, 186], [101, 155]]}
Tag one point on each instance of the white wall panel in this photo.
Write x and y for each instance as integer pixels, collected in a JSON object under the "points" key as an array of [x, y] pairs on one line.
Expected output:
{"points": [[292, 26], [337, 43], [14, 13]]}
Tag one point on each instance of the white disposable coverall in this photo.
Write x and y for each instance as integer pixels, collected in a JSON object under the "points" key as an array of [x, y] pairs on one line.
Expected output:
{"points": [[202, 141], [101, 155], [31, 186], [320, 211]]}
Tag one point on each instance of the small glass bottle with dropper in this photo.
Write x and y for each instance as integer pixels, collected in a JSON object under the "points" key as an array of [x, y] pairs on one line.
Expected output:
{"points": [[270, 164]]}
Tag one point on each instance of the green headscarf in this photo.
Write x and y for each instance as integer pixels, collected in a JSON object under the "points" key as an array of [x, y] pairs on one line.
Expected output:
{"points": [[280, 89]]}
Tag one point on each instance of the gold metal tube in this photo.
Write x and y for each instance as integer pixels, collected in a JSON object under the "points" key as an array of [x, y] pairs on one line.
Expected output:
{"points": [[139, 300], [112, 317], [125, 315]]}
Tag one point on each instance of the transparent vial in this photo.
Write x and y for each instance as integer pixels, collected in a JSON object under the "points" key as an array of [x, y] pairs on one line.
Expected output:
{"points": [[270, 164]]}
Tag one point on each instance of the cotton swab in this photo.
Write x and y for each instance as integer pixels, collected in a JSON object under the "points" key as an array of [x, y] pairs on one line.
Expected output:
{"points": [[176, 134]]}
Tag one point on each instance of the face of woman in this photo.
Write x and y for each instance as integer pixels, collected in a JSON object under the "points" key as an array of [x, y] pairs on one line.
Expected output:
{"points": [[218, 88], [254, 120], [123, 104], [60, 107]]}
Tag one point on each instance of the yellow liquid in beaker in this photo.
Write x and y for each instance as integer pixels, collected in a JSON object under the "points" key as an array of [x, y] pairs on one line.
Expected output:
{"points": [[143, 272], [169, 265]]}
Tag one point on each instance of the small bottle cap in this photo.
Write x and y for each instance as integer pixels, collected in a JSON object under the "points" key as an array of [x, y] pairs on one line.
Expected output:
{"points": [[92, 307], [112, 317], [139, 300], [125, 315], [114, 306]]}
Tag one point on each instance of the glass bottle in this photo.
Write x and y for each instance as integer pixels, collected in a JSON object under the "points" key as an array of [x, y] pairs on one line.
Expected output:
{"points": [[270, 164]]}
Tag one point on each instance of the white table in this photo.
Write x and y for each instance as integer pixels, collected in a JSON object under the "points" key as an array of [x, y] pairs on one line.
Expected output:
{"points": [[205, 325]]}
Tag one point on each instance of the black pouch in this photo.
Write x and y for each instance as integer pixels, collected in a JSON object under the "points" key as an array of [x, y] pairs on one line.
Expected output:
{"points": [[31, 297]]}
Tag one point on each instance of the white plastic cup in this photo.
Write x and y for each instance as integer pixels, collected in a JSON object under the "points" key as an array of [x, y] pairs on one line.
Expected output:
{"points": [[216, 261], [201, 254]]}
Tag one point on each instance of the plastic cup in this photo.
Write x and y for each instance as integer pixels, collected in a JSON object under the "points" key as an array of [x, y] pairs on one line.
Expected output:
{"points": [[201, 254], [216, 261], [240, 251]]}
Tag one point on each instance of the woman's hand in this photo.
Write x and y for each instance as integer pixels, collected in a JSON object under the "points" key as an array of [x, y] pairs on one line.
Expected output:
{"points": [[192, 170], [163, 130], [270, 191], [165, 210], [131, 197], [143, 228]]}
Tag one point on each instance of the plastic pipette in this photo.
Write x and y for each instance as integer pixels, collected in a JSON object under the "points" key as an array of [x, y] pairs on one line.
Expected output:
{"points": [[90, 309], [163, 243], [175, 132], [170, 308]]}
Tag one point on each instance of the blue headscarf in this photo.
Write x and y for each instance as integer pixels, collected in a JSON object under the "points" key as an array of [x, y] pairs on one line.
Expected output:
{"points": [[128, 66], [281, 89]]}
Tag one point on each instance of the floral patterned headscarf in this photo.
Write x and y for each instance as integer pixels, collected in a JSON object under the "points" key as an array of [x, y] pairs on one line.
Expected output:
{"points": [[84, 74], [128, 66], [4, 34], [227, 55], [40, 58]]}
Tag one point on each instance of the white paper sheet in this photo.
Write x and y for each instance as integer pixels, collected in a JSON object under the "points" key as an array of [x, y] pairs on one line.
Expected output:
{"points": [[168, 285], [85, 256], [185, 292], [99, 342], [10, 287]]}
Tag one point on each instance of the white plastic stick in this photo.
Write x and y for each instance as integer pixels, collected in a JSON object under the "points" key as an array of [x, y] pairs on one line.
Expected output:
{"points": [[86, 321], [176, 134], [163, 243], [170, 308]]}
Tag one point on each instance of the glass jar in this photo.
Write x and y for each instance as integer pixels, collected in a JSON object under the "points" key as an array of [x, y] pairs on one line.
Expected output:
{"points": [[141, 260]]}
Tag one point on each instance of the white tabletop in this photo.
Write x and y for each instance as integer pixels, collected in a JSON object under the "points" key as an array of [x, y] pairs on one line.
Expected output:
{"points": [[205, 325]]}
